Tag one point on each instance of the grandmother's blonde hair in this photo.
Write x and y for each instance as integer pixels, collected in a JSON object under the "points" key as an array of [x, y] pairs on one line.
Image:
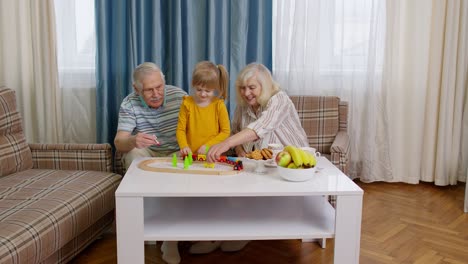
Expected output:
{"points": [[269, 86]]}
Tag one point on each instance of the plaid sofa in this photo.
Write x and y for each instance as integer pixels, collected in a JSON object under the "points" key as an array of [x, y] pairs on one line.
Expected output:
{"points": [[325, 121], [55, 199]]}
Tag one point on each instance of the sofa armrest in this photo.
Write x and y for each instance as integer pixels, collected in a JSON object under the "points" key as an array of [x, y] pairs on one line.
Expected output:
{"points": [[119, 167], [341, 143], [340, 151], [96, 157]]}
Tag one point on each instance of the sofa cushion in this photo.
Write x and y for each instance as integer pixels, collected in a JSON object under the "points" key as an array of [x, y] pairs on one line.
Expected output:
{"points": [[16, 155], [319, 117], [43, 210]]}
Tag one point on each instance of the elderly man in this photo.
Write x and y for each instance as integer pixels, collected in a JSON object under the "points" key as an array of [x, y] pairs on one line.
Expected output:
{"points": [[147, 125], [148, 116]]}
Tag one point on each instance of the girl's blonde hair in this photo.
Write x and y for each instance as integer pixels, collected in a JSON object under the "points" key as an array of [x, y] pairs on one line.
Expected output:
{"points": [[263, 76], [208, 75]]}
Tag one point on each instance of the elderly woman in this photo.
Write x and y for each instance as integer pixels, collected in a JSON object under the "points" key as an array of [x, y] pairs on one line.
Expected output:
{"points": [[264, 115]]}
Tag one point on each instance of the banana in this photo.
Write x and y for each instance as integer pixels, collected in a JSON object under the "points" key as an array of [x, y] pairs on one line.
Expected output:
{"points": [[305, 158], [292, 166], [313, 160], [295, 155]]}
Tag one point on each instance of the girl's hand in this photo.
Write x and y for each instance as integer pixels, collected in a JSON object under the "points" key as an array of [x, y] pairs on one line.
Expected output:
{"points": [[202, 150], [185, 151]]}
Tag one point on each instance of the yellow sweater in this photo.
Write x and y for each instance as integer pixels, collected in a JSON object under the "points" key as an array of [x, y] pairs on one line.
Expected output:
{"points": [[199, 126]]}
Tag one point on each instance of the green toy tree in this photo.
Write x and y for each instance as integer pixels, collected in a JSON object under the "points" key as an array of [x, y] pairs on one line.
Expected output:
{"points": [[174, 160], [190, 158]]}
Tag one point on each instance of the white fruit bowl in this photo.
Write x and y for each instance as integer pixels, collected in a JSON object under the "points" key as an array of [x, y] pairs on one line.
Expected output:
{"points": [[296, 175]]}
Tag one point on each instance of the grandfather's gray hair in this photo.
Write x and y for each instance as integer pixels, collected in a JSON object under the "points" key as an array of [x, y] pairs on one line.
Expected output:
{"points": [[144, 69]]}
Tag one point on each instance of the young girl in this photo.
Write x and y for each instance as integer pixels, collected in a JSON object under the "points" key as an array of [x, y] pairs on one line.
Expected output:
{"points": [[203, 122], [203, 117]]}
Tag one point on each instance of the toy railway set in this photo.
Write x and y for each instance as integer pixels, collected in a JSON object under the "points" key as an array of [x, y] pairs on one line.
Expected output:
{"points": [[194, 164]]}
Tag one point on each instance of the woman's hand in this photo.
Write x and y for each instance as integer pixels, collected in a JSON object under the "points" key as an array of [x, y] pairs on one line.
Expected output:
{"points": [[240, 151], [246, 135], [185, 151], [216, 150]]}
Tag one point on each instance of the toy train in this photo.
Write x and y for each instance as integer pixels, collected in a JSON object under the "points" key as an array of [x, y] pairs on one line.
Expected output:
{"points": [[234, 161]]}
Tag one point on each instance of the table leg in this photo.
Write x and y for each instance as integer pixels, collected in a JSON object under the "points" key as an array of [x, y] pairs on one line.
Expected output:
{"points": [[348, 229], [130, 226]]}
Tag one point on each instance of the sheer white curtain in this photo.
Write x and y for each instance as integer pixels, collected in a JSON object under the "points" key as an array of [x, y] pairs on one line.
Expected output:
{"points": [[76, 66], [29, 66], [402, 65], [336, 48]]}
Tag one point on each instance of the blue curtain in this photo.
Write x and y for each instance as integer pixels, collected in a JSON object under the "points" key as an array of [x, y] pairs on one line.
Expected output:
{"points": [[174, 34]]}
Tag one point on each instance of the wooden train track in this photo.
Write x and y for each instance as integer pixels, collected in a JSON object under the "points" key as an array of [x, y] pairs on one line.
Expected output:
{"points": [[144, 165]]}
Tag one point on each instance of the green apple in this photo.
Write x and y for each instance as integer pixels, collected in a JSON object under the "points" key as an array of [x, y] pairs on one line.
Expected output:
{"points": [[283, 158]]}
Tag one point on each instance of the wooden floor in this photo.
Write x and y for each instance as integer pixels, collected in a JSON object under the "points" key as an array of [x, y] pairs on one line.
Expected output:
{"points": [[401, 223]]}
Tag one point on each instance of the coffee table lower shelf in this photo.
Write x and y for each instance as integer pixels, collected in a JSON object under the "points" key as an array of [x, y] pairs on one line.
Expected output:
{"points": [[237, 218]]}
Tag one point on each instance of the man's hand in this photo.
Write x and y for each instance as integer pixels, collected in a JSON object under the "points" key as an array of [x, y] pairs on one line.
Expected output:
{"points": [[143, 140], [124, 141]]}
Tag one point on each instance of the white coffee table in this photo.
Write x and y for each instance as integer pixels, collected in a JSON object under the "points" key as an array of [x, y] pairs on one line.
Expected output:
{"points": [[167, 206]]}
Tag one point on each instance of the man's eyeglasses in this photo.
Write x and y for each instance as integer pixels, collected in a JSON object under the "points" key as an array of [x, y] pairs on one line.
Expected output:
{"points": [[153, 90]]}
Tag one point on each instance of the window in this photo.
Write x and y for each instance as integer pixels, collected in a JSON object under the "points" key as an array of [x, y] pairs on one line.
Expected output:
{"points": [[75, 35], [327, 37], [76, 52]]}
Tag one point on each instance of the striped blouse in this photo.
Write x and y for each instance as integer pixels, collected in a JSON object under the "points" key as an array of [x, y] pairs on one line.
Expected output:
{"points": [[277, 122]]}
